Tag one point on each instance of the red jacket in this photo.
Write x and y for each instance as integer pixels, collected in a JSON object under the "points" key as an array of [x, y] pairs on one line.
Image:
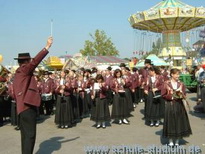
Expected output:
{"points": [[47, 86], [167, 86], [26, 92]]}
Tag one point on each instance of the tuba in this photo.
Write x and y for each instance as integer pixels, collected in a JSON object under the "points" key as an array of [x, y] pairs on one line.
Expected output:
{"points": [[3, 73]]}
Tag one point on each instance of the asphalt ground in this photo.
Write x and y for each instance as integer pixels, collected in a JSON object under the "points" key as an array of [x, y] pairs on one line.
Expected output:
{"points": [[85, 138]]}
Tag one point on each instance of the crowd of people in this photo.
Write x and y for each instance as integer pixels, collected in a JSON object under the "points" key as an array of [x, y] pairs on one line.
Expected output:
{"points": [[108, 96]]}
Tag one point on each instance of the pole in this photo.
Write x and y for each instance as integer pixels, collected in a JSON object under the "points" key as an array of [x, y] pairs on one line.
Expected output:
{"points": [[51, 27]]}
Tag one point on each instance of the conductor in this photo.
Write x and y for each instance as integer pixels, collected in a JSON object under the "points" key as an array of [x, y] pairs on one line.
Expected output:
{"points": [[27, 96]]}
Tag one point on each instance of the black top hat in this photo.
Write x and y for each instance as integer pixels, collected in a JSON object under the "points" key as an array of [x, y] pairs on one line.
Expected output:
{"points": [[88, 70], [23, 56], [94, 70], [122, 65], [49, 73], [109, 68], [147, 61]]}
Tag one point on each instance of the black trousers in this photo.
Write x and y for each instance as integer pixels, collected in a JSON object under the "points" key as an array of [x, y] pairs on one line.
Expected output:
{"points": [[1, 110], [203, 97], [28, 130]]}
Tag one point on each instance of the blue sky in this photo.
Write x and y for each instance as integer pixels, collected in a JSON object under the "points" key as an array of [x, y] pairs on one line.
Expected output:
{"points": [[25, 24]]}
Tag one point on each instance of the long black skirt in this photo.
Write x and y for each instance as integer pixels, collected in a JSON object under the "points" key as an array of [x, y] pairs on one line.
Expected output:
{"points": [[120, 108], [64, 111], [87, 103], [128, 96], [100, 112], [154, 107], [75, 104], [5, 106], [110, 97], [176, 121], [135, 95], [141, 94]]}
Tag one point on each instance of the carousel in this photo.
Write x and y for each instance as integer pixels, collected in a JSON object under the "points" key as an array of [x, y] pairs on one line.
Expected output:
{"points": [[170, 18]]}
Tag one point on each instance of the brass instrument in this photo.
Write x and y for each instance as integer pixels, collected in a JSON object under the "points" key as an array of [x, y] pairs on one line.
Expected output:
{"points": [[3, 73]]}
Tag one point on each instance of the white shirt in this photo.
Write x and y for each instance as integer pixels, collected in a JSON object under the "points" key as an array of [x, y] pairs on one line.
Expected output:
{"points": [[174, 85], [153, 79], [62, 82]]}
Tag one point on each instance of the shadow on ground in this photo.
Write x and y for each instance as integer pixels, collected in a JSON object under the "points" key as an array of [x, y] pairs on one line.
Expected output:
{"points": [[53, 144], [193, 99], [199, 115]]}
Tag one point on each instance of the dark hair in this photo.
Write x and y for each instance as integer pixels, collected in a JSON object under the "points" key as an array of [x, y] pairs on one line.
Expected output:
{"points": [[94, 70], [147, 61], [66, 71], [117, 71], [122, 65], [23, 61], [99, 76], [134, 69], [154, 69], [174, 71], [162, 67], [127, 69], [88, 71]]}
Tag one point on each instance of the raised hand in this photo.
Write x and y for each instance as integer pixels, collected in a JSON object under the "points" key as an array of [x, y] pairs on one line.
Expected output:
{"points": [[49, 43]]}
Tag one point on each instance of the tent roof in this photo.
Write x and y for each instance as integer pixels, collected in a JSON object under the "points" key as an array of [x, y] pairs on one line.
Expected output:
{"points": [[107, 59], [101, 59], [155, 60]]}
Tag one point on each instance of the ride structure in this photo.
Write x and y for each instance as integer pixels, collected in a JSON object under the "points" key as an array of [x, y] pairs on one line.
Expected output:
{"points": [[170, 18]]}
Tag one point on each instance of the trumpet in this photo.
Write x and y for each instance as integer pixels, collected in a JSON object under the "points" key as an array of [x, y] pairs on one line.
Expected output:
{"points": [[3, 73]]}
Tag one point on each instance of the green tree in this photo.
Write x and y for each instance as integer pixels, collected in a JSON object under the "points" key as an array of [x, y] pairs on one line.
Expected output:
{"points": [[100, 45]]}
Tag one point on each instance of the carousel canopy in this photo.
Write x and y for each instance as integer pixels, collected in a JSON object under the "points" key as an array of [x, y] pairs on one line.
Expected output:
{"points": [[54, 62], [169, 15], [155, 60]]}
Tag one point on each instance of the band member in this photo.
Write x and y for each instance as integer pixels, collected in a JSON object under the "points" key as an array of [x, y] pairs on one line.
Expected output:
{"points": [[2, 95], [199, 70], [154, 110], [164, 73], [135, 86], [14, 115], [47, 89], [144, 78], [74, 95], [120, 110], [27, 96], [128, 85], [201, 82], [87, 96], [176, 122], [100, 113], [108, 78], [64, 109]]}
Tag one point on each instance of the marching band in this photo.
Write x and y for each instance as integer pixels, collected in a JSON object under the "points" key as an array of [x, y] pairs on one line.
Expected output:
{"points": [[108, 96]]}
